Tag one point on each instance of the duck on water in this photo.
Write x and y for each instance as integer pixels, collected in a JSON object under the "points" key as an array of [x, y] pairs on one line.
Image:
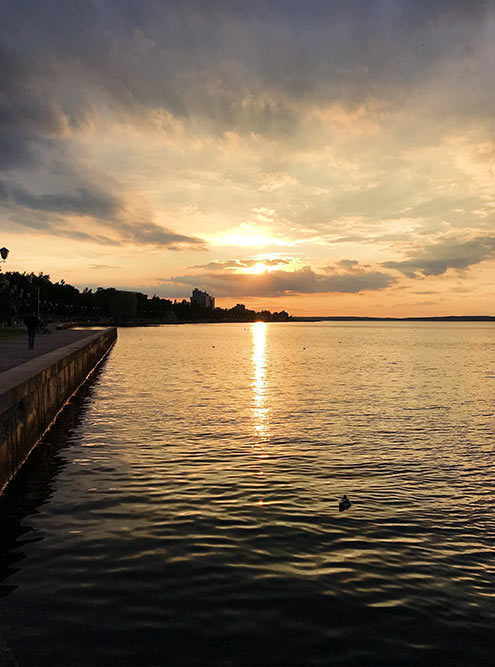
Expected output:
{"points": [[344, 504]]}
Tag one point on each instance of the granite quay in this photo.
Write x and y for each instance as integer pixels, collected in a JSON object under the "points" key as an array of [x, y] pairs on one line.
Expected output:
{"points": [[36, 384]]}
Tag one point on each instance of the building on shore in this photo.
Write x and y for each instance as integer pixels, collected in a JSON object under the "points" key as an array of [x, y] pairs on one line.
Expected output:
{"points": [[202, 299]]}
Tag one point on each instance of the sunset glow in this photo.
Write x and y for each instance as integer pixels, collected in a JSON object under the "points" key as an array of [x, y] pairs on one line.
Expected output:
{"points": [[159, 149], [258, 268]]}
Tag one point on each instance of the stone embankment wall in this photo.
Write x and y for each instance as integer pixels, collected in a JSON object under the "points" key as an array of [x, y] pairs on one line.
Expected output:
{"points": [[32, 394]]}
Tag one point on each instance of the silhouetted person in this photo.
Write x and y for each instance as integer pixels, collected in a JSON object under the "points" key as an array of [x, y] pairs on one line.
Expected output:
{"points": [[32, 323]]}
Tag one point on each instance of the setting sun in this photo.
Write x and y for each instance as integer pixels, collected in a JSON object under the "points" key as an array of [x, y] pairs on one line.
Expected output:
{"points": [[257, 268]]}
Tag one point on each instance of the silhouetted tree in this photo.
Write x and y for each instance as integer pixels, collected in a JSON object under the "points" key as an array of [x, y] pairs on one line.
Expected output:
{"points": [[19, 295], [123, 306]]}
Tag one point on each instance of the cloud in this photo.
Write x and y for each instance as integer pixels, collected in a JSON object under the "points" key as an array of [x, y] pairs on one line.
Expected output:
{"points": [[149, 125], [52, 224], [436, 259], [349, 264], [275, 180], [233, 264], [284, 283], [29, 117], [228, 62], [149, 233], [105, 210], [82, 201]]}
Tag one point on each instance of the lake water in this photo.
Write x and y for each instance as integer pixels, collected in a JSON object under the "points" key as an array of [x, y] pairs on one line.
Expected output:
{"points": [[184, 509]]}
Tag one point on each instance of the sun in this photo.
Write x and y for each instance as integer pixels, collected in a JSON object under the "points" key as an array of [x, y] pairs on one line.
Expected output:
{"points": [[257, 268]]}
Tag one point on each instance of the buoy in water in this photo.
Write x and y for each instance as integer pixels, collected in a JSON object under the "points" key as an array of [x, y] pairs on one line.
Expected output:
{"points": [[344, 504]]}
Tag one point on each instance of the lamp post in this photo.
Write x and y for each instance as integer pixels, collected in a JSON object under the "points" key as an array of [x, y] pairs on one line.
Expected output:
{"points": [[4, 253], [4, 285]]}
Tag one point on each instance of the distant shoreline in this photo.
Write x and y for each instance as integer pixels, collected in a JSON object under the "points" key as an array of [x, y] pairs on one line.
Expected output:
{"points": [[447, 318]]}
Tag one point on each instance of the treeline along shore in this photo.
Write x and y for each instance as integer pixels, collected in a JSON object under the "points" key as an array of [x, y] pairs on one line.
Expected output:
{"points": [[23, 293]]}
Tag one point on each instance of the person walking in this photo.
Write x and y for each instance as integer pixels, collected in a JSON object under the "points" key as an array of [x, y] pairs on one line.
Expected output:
{"points": [[32, 323]]}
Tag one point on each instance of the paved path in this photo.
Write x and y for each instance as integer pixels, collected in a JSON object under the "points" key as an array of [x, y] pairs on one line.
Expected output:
{"points": [[14, 351]]}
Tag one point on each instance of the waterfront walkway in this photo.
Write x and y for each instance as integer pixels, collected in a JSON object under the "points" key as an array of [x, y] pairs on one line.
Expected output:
{"points": [[14, 351]]}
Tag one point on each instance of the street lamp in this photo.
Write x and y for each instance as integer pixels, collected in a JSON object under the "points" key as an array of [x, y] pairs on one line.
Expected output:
{"points": [[3, 254]]}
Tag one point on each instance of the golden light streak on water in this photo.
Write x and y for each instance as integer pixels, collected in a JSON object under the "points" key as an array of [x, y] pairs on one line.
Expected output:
{"points": [[180, 527], [260, 410], [259, 385]]}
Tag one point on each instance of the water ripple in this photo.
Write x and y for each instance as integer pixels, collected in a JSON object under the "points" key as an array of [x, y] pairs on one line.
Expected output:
{"points": [[186, 512]]}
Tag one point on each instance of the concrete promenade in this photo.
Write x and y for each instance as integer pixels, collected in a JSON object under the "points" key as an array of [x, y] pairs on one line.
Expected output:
{"points": [[14, 351], [36, 384]]}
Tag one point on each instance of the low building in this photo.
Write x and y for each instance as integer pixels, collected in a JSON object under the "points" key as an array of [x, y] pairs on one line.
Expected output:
{"points": [[202, 299]]}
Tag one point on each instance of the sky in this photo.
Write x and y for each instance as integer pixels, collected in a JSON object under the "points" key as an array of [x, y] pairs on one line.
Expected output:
{"points": [[322, 157]]}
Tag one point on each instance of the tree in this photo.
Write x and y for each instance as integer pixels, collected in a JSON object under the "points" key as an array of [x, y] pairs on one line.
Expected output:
{"points": [[123, 306]]}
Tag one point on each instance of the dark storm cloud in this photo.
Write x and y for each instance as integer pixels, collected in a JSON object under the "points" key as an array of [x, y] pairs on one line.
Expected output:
{"points": [[28, 116], [45, 212], [149, 233], [439, 257], [285, 283], [83, 201], [240, 65], [52, 224], [248, 67]]}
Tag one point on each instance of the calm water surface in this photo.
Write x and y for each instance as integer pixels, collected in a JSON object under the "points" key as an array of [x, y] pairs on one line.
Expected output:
{"points": [[184, 510]]}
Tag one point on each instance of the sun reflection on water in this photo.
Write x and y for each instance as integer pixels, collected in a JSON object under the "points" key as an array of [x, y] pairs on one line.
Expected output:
{"points": [[260, 410]]}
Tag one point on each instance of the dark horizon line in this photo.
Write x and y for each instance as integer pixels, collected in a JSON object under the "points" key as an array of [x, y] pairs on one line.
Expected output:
{"points": [[354, 318]]}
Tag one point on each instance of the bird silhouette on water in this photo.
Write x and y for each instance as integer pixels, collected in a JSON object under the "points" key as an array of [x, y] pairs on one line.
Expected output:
{"points": [[344, 504]]}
